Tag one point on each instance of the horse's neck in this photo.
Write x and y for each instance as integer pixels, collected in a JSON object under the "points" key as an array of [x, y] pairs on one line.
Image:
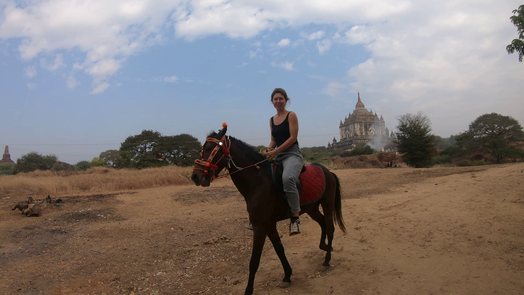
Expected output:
{"points": [[245, 174]]}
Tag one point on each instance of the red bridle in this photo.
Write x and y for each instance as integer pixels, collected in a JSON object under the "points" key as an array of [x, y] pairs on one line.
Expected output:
{"points": [[207, 165]]}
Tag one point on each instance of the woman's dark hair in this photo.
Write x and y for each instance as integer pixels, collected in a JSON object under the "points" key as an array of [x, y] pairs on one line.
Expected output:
{"points": [[281, 91]]}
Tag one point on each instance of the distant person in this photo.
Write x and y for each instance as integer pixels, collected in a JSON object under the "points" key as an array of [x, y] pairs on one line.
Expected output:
{"points": [[284, 148]]}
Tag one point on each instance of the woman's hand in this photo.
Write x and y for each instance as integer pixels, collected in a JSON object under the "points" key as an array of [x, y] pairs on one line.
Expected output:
{"points": [[270, 153]]}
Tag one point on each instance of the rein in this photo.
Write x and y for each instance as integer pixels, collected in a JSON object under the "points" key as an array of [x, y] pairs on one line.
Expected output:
{"points": [[208, 167]]}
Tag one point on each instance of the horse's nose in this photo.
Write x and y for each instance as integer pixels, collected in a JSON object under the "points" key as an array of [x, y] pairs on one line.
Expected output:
{"points": [[195, 179]]}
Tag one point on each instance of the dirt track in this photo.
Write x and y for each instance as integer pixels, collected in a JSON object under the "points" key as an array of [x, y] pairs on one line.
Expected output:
{"points": [[410, 231]]}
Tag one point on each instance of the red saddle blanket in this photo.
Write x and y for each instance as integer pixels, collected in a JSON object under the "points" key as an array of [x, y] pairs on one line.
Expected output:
{"points": [[313, 183]]}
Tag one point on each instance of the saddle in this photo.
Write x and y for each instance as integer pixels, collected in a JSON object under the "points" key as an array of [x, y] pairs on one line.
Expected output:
{"points": [[311, 183]]}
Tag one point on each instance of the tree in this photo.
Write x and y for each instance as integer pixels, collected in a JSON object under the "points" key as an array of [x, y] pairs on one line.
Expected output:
{"points": [[180, 150], [510, 152], [82, 165], [7, 169], [360, 149], [489, 133], [151, 149], [62, 166], [517, 44], [414, 140], [441, 143], [111, 158], [97, 162], [143, 149], [34, 161]]}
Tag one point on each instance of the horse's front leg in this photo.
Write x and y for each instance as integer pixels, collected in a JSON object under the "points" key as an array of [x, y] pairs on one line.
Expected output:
{"points": [[279, 248], [259, 238]]}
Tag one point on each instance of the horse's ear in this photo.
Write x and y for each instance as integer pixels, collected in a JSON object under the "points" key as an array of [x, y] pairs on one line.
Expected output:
{"points": [[223, 131]]}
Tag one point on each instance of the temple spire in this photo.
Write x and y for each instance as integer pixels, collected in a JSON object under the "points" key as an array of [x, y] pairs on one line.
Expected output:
{"points": [[6, 158], [359, 104]]}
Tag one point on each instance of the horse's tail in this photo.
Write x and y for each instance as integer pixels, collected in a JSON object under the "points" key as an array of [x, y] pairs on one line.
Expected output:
{"points": [[338, 205]]}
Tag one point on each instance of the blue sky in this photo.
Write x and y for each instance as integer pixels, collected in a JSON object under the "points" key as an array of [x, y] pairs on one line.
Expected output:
{"points": [[78, 77]]}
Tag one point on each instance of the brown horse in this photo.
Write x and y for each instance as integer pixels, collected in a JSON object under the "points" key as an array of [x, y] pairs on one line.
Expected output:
{"points": [[251, 174]]}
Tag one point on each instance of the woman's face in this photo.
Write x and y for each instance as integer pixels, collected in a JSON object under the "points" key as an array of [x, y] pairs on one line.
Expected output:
{"points": [[279, 101]]}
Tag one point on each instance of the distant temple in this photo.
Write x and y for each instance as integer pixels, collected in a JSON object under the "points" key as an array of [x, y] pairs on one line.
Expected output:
{"points": [[6, 158], [364, 127]]}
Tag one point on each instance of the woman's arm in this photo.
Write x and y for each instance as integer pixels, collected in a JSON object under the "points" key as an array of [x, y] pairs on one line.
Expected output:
{"points": [[273, 142]]}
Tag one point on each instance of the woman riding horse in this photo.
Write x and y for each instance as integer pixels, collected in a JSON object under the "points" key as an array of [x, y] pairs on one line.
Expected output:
{"points": [[252, 175]]}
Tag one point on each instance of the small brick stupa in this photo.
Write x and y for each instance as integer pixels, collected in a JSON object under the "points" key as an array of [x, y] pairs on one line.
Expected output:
{"points": [[6, 158]]}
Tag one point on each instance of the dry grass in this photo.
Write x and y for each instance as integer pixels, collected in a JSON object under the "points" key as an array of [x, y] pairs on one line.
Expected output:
{"points": [[94, 180]]}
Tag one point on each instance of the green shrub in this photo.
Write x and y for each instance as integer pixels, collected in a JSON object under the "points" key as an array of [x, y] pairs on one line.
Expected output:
{"points": [[358, 150], [82, 165], [7, 169], [453, 151], [446, 159], [465, 163]]}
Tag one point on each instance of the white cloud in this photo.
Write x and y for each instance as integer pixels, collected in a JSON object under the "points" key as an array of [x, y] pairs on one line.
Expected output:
{"points": [[438, 62], [31, 85], [171, 79], [110, 31], [72, 82], [103, 68], [315, 36], [323, 46], [57, 64], [254, 53], [286, 65], [104, 30], [360, 35], [30, 72], [100, 88], [427, 56], [284, 43]]}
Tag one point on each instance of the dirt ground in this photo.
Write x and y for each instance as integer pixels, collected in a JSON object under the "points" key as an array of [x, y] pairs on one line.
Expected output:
{"points": [[456, 230]]}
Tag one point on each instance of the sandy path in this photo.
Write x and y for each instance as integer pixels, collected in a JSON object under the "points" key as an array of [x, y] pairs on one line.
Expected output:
{"points": [[410, 231]]}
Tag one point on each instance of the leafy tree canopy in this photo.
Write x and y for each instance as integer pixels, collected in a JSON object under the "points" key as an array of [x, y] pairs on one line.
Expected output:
{"points": [[97, 162], [414, 140], [517, 44], [62, 166], [111, 158], [360, 149], [490, 133], [34, 161], [82, 165], [7, 169], [151, 149]]}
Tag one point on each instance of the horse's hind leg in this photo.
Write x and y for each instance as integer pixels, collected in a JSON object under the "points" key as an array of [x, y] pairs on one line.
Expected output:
{"points": [[330, 230], [319, 218], [279, 248]]}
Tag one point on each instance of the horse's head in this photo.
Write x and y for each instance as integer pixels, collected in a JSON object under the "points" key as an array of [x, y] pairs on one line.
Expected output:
{"points": [[213, 158]]}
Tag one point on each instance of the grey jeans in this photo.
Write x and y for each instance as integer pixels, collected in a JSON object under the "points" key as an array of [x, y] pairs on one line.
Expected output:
{"points": [[292, 161]]}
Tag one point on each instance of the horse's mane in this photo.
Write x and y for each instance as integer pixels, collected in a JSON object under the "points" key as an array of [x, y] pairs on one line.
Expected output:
{"points": [[248, 149]]}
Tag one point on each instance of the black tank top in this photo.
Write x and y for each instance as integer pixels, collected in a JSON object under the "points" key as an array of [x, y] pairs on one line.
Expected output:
{"points": [[280, 132]]}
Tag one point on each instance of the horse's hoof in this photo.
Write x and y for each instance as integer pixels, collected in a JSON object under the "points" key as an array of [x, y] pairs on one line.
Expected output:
{"points": [[284, 285], [325, 268]]}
